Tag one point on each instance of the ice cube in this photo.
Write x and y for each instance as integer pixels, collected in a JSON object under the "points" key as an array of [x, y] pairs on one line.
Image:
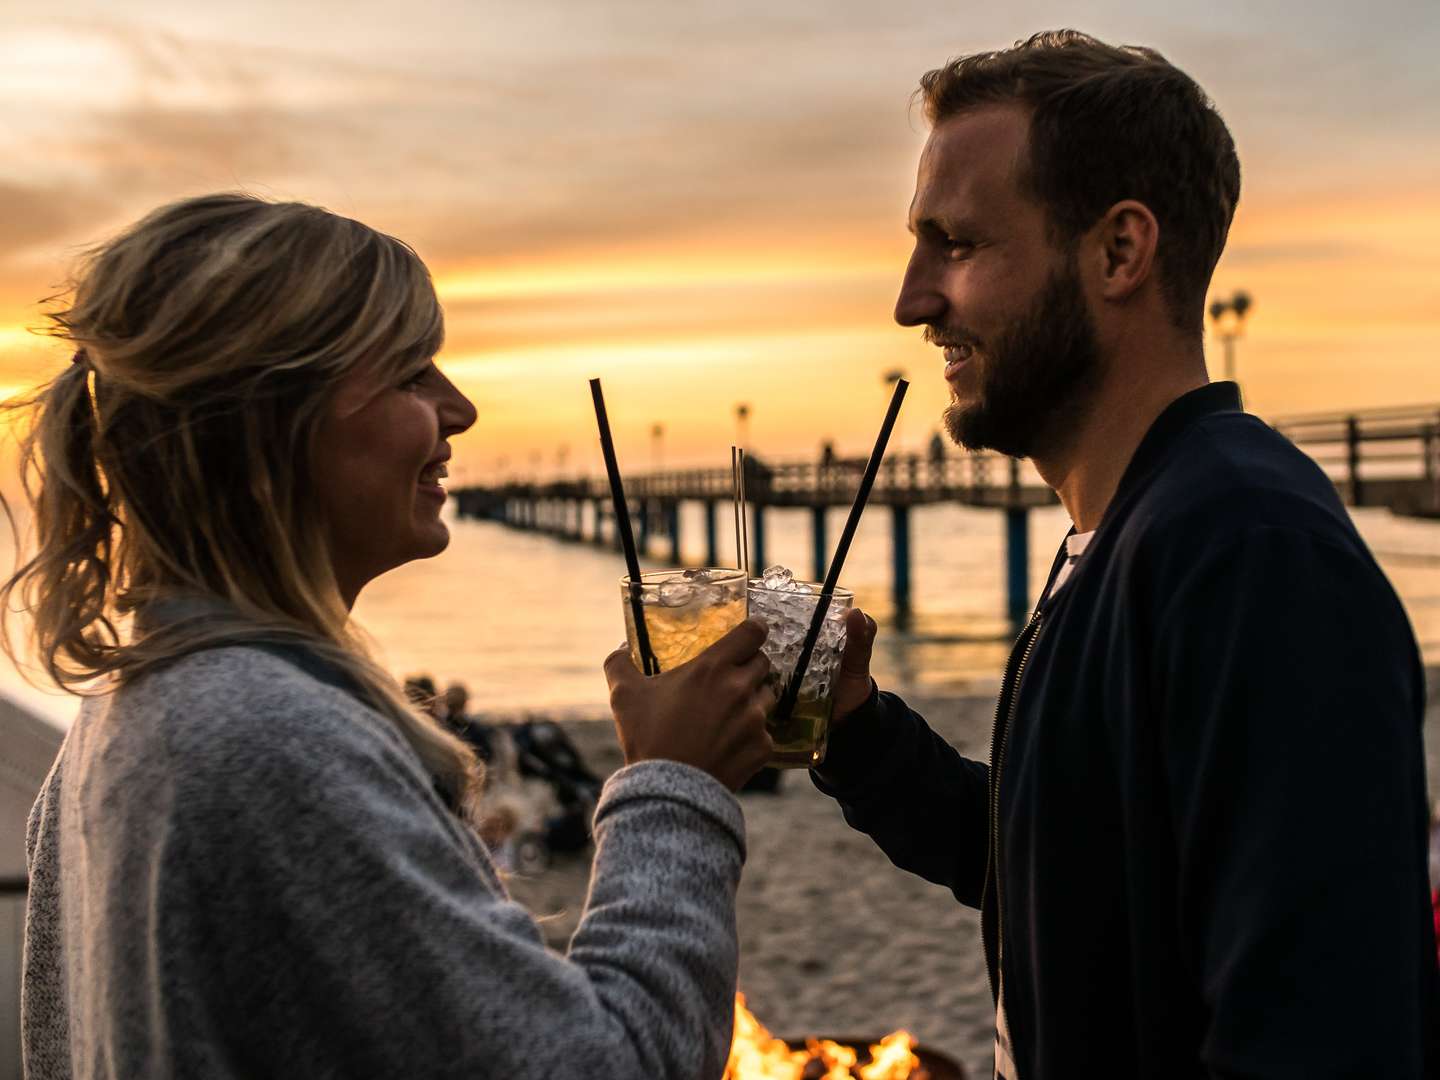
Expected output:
{"points": [[699, 577], [676, 593], [777, 577]]}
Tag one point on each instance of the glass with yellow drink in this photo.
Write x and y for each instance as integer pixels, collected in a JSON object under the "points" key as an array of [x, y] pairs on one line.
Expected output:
{"points": [[686, 611]]}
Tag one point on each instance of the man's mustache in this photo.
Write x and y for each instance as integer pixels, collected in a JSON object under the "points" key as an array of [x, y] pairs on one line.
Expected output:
{"points": [[947, 338]]}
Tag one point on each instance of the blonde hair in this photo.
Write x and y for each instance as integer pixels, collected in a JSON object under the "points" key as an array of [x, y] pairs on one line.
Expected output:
{"points": [[172, 458]]}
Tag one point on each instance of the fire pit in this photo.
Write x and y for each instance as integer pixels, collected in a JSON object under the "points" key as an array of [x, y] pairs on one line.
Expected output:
{"points": [[929, 1065], [755, 1054]]}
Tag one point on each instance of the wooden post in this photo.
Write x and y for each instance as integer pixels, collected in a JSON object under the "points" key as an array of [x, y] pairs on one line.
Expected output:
{"points": [[1352, 446], [1430, 471], [712, 550], [643, 541], [1017, 551], [900, 553], [820, 545], [672, 522], [757, 539]]}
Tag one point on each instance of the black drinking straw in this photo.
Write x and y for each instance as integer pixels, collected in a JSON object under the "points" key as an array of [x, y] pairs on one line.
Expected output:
{"points": [[649, 664], [827, 591]]}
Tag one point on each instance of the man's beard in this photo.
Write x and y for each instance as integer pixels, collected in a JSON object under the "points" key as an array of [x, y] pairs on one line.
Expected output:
{"points": [[1038, 374]]}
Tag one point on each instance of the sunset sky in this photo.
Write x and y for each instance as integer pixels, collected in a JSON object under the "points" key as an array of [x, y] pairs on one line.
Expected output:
{"points": [[704, 204]]}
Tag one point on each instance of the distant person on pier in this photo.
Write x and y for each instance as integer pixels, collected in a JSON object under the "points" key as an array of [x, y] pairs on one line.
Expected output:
{"points": [[457, 702], [253, 856], [1198, 845]]}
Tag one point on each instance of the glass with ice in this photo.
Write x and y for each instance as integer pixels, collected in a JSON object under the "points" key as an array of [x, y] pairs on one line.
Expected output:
{"points": [[786, 606], [686, 611]]}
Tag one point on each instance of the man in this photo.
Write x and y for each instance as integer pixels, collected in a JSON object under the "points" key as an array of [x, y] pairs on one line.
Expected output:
{"points": [[1199, 844]]}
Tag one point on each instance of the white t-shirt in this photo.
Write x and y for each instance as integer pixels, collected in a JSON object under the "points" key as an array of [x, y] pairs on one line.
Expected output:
{"points": [[1005, 1064]]}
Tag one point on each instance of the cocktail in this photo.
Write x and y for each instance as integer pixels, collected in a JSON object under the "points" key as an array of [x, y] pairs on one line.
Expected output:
{"points": [[786, 606], [686, 611]]}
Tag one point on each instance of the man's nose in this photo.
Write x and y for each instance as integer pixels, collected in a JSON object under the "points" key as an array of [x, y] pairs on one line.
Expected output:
{"points": [[919, 302]]}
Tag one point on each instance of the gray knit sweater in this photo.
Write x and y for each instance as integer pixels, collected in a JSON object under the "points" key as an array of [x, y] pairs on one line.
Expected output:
{"points": [[238, 870]]}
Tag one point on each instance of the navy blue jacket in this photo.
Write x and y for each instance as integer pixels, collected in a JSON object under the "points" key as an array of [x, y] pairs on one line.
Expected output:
{"points": [[1207, 850]]}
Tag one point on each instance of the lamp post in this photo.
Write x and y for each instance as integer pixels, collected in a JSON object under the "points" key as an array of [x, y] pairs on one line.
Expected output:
{"points": [[742, 425], [657, 447], [1228, 329]]}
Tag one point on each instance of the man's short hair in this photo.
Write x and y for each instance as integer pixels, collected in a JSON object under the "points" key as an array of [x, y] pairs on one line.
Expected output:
{"points": [[1110, 123]]}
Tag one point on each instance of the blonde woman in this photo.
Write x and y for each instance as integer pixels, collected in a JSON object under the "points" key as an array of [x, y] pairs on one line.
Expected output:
{"points": [[252, 857]]}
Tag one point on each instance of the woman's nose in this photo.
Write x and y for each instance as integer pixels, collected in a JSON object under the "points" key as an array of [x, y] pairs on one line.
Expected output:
{"points": [[457, 412]]}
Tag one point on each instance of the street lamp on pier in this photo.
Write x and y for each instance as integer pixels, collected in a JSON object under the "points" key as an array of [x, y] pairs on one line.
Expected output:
{"points": [[1229, 329], [742, 425]]}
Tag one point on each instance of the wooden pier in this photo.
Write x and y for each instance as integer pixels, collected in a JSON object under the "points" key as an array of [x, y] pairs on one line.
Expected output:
{"points": [[1380, 458]]}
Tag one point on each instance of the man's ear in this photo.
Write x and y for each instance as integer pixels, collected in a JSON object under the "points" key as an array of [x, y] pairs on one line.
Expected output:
{"points": [[1123, 245]]}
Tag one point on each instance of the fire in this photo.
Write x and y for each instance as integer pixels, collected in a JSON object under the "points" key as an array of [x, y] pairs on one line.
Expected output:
{"points": [[755, 1054]]}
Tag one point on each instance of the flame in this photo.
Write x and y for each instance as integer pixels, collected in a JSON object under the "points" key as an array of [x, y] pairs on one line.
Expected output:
{"points": [[755, 1054], [891, 1058]]}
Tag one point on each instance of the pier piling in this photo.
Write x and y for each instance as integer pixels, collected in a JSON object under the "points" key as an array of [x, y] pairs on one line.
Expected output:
{"points": [[900, 554], [712, 550], [820, 546], [757, 539], [672, 525], [1017, 549]]}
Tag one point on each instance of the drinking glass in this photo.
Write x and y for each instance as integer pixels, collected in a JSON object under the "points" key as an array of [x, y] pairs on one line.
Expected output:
{"points": [[786, 606], [685, 611]]}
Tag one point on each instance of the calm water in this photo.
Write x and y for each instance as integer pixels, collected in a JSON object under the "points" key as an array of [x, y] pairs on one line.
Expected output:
{"points": [[525, 620]]}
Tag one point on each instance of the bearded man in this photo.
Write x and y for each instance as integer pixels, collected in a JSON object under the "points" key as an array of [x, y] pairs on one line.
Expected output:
{"points": [[1199, 844]]}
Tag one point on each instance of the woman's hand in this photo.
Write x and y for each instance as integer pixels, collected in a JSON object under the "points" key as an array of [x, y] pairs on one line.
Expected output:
{"points": [[709, 712]]}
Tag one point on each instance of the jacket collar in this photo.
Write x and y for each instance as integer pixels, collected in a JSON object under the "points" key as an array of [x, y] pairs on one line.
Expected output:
{"points": [[1179, 415]]}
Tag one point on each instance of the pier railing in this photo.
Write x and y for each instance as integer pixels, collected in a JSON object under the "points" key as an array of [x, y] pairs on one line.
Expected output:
{"points": [[579, 508], [989, 480], [1381, 457]]}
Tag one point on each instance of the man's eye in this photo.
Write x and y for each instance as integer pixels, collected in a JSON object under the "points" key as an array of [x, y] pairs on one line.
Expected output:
{"points": [[957, 249]]}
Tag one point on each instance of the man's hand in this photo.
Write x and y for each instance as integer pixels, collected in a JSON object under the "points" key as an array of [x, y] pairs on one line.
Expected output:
{"points": [[852, 685], [709, 712]]}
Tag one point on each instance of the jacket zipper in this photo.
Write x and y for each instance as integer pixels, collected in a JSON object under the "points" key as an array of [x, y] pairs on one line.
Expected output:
{"points": [[999, 738]]}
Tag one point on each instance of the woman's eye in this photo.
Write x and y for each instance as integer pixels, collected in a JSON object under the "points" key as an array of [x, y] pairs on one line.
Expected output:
{"points": [[414, 380]]}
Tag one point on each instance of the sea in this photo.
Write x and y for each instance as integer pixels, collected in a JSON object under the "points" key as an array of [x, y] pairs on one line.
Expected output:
{"points": [[525, 620]]}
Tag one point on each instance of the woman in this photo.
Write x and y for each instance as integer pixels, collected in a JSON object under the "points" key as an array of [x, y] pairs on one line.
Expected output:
{"points": [[253, 857]]}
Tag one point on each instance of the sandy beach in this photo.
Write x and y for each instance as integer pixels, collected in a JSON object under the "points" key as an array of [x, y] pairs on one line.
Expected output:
{"points": [[834, 939]]}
